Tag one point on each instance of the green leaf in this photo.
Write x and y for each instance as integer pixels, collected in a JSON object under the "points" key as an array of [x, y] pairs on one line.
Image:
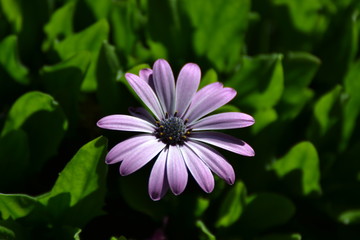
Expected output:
{"points": [[263, 118], [294, 236], [219, 30], [80, 186], [99, 8], [209, 77], [12, 11], [201, 205], [232, 206], [299, 70], [107, 72], [351, 109], [206, 234], [90, 40], [302, 158], [60, 25], [259, 82], [68, 75], [350, 217], [267, 210], [16, 205], [14, 159], [44, 122], [10, 62], [6, 233], [323, 109]]}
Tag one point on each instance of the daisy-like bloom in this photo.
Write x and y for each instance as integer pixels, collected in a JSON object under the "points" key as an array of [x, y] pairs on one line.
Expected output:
{"points": [[177, 133]]}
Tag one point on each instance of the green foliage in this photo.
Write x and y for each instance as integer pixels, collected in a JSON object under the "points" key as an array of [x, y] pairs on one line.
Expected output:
{"points": [[294, 64]]}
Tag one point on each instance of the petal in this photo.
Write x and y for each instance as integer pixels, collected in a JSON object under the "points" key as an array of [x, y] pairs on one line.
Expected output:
{"points": [[164, 82], [224, 141], [176, 170], [198, 169], [142, 113], [140, 155], [146, 94], [186, 86], [146, 75], [209, 102], [124, 148], [228, 120], [125, 123], [214, 160], [158, 185]]}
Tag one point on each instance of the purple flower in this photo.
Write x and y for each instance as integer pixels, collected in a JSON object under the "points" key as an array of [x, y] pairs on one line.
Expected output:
{"points": [[177, 132]]}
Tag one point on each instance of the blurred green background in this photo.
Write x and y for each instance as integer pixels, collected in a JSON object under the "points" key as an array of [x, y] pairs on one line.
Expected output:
{"points": [[294, 63]]}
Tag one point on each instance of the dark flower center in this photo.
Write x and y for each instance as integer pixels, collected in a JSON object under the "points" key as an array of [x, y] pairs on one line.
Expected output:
{"points": [[172, 130]]}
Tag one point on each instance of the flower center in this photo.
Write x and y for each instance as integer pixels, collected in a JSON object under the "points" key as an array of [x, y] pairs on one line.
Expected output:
{"points": [[172, 130]]}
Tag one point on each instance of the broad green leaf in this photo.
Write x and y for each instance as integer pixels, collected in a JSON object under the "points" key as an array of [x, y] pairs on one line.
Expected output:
{"points": [[118, 238], [123, 18], [232, 206], [16, 205], [12, 11], [304, 14], [205, 233], [299, 71], [267, 210], [90, 40], [14, 159], [44, 122], [201, 205], [68, 75], [209, 77], [100, 8], [294, 236], [303, 158], [10, 62], [219, 30], [350, 217], [351, 109], [107, 71], [6, 233], [259, 82], [80, 186], [263, 118], [323, 109], [60, 25], [343, 33]]}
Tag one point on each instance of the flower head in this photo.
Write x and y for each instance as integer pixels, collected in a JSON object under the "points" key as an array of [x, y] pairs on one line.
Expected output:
{"points": [[176, 132]]}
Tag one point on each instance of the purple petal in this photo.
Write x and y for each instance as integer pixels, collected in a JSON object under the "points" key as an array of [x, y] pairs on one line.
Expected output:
{"points": [[158, 185], [124, 148], [214, 160], [164, 84], [198, 169], [146, 94], [125, 123], [210, 102], [228, 120], [146, 75], [176, 170], [224, 141], [140, 155], [142, 113], [186, 86]]}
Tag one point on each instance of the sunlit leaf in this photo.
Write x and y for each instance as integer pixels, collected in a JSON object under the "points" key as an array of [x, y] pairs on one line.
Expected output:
{"points": [[44, 122], [302, 158], [232, 205], [206, 234], [16, 205], [350, 217], [90, 40], [80, 186]]}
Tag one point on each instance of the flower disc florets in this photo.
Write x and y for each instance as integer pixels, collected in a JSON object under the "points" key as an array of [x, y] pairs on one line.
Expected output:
{"points": [[172, 130]]}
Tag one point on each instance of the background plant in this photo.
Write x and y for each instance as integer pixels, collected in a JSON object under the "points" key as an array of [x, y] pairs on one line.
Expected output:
{"points": [[294, 64]]}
